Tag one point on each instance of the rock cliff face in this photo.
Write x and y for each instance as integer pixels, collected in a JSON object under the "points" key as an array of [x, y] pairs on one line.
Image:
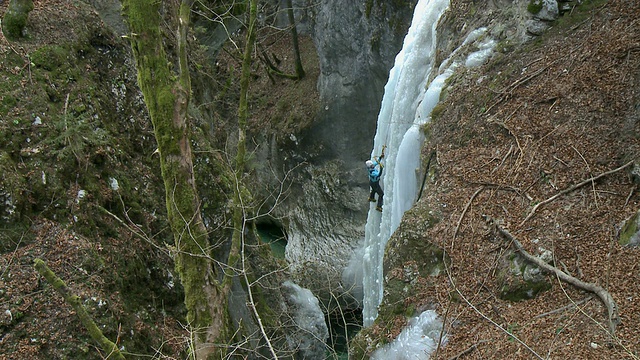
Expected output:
{"points": [[356, 44], [522, 147]]}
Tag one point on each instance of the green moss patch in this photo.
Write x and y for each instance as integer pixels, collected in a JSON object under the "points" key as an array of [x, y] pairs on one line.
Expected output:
{"points": [[525, 290], [534, 6], [51, 57], [629, 234], [15, 19]]}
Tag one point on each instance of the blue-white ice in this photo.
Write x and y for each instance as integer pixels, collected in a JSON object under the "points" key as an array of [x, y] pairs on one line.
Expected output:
{"points": [[309, 319], [399, 129], [416, 341], [411, 93]]}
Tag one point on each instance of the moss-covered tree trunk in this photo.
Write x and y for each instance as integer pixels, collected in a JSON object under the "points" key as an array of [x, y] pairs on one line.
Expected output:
{"points": [[76, 303], [167, 99], [243, 114]]}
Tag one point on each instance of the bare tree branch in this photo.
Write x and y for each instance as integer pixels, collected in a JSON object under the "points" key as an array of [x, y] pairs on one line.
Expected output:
{"points": [[570, 189]]}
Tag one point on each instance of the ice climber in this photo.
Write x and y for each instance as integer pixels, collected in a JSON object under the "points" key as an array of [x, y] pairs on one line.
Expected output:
{"points": [[374, 166]]}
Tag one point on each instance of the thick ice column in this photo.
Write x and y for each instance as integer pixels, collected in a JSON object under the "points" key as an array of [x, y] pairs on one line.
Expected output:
{"points": [[403, 95]]}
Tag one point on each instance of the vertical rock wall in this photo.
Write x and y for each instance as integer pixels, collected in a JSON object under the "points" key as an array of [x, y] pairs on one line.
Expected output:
{"points": [[357, 43]]}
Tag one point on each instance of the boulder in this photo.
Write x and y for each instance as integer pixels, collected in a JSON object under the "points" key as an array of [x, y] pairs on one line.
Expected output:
{"points": [[546, 10], [520, 280], [15, 19], [629, 234]]}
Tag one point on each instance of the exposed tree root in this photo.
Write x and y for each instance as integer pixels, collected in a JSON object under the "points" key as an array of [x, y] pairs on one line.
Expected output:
{"points": [[607, 299]]}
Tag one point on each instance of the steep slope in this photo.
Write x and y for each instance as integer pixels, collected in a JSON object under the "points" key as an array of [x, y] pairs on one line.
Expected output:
{"points": [[533, 123], [80, 190], [509, 135]]}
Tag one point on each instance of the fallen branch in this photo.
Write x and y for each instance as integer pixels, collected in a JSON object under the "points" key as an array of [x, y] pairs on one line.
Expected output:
{"points": [[468, 350], [484, 316], [572, 188], [455, 234], [626, 201], [564, 308], [272, 69], [74, 301], [607, 299], [509, 89]]}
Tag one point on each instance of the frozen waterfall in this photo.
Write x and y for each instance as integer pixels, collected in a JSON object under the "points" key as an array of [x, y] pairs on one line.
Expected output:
{"points": [[411, 93], [309, 339], [406, 105]]}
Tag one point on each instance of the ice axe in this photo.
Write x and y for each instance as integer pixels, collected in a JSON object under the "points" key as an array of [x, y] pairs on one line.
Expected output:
{"points": [[382, 153]]}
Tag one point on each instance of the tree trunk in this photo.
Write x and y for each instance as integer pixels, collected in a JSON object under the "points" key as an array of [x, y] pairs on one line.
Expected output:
{"points": [[243, 114], [167, 99], [294, 36]]}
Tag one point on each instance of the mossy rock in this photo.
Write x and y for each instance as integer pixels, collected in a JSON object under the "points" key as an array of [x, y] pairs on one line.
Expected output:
{"points": [[534, 6], [525, 290], [630, 234], [410, 244], [519, 280], [50, 57], [358, 346], [15, 19]]}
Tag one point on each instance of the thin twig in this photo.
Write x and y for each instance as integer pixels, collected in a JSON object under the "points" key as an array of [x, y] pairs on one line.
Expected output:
{"points": [[509, 89], [593, 184], [484, 316], [13, 256], [444, 322], [455, 234], [570, 189], [633, 189], [564, 308], [504, 125], [504, 158]]}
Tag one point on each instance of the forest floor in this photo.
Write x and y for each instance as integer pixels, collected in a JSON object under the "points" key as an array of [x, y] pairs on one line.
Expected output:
{"points": [[123, 279]]}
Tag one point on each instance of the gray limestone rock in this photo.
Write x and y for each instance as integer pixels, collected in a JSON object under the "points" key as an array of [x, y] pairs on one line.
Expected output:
{"points": [[536, 27], [549, 10]]}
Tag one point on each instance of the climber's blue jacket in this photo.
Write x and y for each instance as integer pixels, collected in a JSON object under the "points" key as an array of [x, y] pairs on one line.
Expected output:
{"points": [[375, 171]]}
